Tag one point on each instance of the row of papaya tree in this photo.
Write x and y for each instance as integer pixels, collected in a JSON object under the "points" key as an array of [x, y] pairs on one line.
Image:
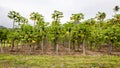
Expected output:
{"points": [[92, 33]]}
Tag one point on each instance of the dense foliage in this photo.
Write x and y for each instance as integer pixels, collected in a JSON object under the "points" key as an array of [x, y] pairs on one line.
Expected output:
{"points": [[90, 34]]}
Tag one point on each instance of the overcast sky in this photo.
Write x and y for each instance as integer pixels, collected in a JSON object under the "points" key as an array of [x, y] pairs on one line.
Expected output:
{"points": [[46, 7]]}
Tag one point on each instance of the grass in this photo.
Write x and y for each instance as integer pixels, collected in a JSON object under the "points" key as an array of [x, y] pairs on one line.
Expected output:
{"points": [[38, 61]]}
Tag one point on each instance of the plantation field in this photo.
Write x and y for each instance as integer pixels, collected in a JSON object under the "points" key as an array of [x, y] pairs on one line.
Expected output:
{"points": [[40, 61]]}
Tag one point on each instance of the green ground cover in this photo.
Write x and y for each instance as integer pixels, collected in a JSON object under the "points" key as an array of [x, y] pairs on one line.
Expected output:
{"points": [[38, 61]]}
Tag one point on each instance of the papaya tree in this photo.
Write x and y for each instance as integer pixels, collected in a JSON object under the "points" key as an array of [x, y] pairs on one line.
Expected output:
{"points": [[68, 32], [3, 37], [111, 33], [76, 18], [116, 9], [55, 28], [16, 18], [34, 16], [40, 31], [100, 17], [13, 15], [26, 35], [84, 33]]}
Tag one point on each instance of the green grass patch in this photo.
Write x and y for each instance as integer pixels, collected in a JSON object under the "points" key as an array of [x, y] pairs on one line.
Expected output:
{"points": [[38, 61]]}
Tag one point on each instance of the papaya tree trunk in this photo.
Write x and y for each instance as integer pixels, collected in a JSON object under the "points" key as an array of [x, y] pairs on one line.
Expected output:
{"points": [[69, 46], [1, 47], [73, 45], [12, 45], [4, 43], [13, 24], [110, 47], [63, 42], [42, 46], [22, 43], [55, 44], [38, 45], [30, 49], [57, 48], [17, 45], [34, 23], [84, 49], [78, 43], [46, 44], [69, 43]]}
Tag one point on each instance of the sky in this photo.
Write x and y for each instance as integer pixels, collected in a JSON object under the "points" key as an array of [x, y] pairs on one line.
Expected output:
{"points": [[46, 7]]}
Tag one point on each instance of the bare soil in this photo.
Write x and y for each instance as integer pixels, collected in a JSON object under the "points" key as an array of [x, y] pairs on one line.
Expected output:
{"points": [[49, 50]]}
